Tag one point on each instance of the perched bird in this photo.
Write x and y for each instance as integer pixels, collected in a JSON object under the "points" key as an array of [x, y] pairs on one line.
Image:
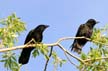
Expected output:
{"points": [[84, 30], [37, 35]]}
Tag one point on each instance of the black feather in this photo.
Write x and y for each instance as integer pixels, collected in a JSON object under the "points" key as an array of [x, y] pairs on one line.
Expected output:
{"points": [[35, 34], [84, 30]]}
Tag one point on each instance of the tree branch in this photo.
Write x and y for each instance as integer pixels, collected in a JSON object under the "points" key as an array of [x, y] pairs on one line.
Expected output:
{"points": [[24, 46], [70, 60], [57, 43], [66, 51], [87, 60], [33, 45], [48, 58]]}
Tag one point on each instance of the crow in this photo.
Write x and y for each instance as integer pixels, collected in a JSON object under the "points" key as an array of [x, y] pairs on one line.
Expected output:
{"points": [[84, 30], [37, 35]]}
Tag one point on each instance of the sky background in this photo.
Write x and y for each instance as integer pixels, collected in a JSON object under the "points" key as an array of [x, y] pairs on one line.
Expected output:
{"points": [[64, 18]]}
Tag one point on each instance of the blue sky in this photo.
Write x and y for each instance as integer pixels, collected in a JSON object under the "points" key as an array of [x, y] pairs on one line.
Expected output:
{"points": [[63, 16]]}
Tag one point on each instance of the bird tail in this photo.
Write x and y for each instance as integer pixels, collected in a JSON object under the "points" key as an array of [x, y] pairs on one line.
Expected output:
{"points": [[76, 48], [25, 55]]}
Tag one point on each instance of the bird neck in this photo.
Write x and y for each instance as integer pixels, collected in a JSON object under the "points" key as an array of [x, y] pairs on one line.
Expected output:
{"points": [[90, 25], [38, 30]]}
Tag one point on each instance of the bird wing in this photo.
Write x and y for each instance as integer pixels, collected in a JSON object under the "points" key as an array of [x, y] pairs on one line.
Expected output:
{"points": [[79, 33], [28, 38], [81, 30]]}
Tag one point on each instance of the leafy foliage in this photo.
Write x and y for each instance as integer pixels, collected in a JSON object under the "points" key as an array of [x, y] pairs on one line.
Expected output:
{"points": [[57, 60], [10, 61], [98, 55], [95, 60], [40, 48], [44, 50], [12, 27]]}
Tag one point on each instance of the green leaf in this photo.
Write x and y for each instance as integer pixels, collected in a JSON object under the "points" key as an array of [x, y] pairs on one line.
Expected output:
{"points": [[12, 26], [83, 56], [9, 60], [35, 53]]}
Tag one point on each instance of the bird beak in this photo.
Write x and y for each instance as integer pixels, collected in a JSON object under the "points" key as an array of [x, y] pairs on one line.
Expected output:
{"points": [[97, 22], [47, 26]]}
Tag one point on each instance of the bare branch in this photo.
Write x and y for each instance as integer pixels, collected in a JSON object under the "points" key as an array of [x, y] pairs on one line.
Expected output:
{"points": [[33, 45], [24, 46], [70, 38], [57, 43], [70, 60], [49, 45], [48, 58], [66, 51]]}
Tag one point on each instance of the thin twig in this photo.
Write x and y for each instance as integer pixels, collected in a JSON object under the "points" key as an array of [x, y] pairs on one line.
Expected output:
{"points": [[70, 60], [48, 58], [87, 60], [69, 38], [100, 43], [79, 59]]}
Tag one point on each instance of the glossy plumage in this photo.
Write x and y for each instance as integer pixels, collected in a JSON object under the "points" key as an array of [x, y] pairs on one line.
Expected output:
{"points": [[84, 30], [37, 35]]}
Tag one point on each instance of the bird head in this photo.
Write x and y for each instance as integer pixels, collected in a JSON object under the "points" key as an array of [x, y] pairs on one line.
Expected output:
{"points": [[41, 27], [91, 22]]}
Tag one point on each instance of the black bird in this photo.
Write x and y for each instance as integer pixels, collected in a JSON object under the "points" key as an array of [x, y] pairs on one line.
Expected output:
{"points": [[37, 35], [84, 30]]}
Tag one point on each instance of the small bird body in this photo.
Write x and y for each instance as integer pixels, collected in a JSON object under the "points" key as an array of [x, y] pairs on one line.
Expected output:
{"points": [[84, 30], [37, 35]]}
